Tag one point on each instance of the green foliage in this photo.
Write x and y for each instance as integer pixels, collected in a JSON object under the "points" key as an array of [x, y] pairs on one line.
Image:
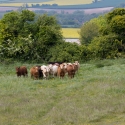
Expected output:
{"points": [[115, 12], [105, 47], [116, 21], [92, 29], [84, 53], [118, 24], [88, 31], [16, 24], [108, 40], [26, 36], [71, 20], [102, 25], [100, 21], [64, 52]]}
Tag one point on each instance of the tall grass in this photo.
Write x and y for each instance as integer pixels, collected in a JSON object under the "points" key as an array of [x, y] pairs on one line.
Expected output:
{"points": [[96, 96]]}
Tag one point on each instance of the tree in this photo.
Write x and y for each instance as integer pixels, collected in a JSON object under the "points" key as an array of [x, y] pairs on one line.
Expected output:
{"points": [[8, 25], [104, 47], [87, 32], [16, 24], [93, 28], [64, 52], [27, 36], [116, 20], [107, 41]]}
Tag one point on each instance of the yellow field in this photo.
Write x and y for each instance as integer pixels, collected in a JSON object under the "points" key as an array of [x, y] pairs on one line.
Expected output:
{"points": [[70, 32], [59, 2]]}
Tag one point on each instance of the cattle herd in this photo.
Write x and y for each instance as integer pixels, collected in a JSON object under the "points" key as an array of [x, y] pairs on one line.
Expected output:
{"points": [[53, 69]]}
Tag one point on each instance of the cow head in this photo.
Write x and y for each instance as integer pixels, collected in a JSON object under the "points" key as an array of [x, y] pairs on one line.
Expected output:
{"points": [[18, 71]]}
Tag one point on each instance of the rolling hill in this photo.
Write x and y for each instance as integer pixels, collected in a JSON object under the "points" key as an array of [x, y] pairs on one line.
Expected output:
{"points": [[64, 3], [59, 2]]}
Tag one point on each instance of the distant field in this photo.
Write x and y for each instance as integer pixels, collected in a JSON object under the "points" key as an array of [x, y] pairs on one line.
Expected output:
{"points": [[70, 32], [59, 2]]}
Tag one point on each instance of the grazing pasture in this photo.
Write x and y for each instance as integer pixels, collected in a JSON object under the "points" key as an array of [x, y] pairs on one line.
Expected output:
{"points": [[95, 96]]}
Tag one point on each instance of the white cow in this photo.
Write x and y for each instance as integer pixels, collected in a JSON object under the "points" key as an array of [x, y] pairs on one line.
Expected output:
{"points": [[46, 70], [53, 69]]}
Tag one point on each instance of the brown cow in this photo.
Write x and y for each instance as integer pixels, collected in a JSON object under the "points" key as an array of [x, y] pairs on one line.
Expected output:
{"points": [[61, 71], [75, 67], [40, 72], [70, 70], [21, 71], [34, 71]]}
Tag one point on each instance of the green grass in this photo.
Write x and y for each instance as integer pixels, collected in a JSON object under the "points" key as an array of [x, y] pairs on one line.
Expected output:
{"points": [[96, 96]]}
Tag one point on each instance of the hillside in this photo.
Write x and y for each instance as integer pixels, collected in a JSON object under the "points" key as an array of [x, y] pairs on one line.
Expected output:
{"points": [[29, 2], [63, 3]]}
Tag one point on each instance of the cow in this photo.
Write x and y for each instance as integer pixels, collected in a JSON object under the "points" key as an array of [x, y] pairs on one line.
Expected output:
{"points": [[78, 65], [40, 72], [70, 70], [61, 71], [46, 70], [75, 67], [34, 71], [65, 67], [21, 71], [53, 69]]}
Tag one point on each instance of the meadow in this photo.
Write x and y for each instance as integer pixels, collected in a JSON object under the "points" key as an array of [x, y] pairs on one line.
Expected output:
{"points": [[95, 96], [59, 2], [70, 32]]}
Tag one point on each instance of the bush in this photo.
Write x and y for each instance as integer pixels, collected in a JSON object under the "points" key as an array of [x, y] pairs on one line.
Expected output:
{"points": [[104, 47], [64, 52]]}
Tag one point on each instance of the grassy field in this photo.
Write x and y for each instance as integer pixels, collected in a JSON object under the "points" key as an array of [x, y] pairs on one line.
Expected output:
{"points": [[70, 32], [96, 96], [59, 2]]}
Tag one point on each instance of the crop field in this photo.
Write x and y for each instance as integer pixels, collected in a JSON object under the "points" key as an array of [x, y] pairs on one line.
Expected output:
{"points": [[70, 32], [59, 2], [95, 96]]}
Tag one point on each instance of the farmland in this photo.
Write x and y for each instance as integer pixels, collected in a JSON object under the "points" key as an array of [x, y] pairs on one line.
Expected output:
{"points": [[70, 32], [59, 2], [96, 96], [15, 5]]}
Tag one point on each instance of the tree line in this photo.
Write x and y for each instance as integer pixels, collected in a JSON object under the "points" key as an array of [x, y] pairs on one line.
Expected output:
{"points": [[27, 36], [70, 20], [65, 19]]}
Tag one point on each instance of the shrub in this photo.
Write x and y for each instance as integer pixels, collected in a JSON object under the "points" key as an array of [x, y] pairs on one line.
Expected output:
{"points": [[104, 47]]}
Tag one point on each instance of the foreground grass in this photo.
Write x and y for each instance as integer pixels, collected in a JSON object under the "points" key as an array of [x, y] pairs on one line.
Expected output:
{"points": [[96, 96], [70, 32]]}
